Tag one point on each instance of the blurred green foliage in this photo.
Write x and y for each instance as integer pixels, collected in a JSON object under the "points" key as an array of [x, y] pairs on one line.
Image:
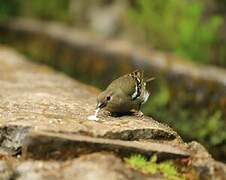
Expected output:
{"points": [[167, 168], [179, 26], [8, 8], [205, 125], [48, 10]]}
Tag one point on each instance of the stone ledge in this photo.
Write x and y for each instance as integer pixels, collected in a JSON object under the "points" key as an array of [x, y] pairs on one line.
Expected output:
{"points": [[45, 145]]}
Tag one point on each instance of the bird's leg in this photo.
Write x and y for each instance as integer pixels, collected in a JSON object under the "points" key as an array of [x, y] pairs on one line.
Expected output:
{"points": [[106, 113], [139, 113]]}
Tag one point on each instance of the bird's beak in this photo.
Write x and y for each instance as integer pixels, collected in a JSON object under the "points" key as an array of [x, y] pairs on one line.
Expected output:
{"points": [[101, 105]]}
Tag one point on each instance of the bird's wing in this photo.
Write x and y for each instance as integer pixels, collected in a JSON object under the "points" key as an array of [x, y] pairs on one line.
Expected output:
{"points": [[130, 84]]}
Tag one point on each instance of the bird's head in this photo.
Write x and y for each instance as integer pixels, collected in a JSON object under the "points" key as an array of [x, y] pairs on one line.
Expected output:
{"points": [[103, 99]]}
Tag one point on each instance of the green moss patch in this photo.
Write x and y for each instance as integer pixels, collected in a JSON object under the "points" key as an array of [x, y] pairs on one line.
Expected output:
{"points": [[166, 168]]}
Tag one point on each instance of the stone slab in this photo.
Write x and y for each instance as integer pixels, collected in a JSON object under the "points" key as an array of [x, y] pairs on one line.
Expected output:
{"points": [[45, 145]]}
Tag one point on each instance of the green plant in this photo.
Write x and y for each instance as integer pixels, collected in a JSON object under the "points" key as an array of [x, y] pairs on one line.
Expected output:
{"points": [[8, 9], [178, 26], [151, 166], [50, 10], [197, 35], [212, 129]]}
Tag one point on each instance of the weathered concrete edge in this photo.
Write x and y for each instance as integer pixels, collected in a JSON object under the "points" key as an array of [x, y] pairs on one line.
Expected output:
{"points": [[45, 145]]}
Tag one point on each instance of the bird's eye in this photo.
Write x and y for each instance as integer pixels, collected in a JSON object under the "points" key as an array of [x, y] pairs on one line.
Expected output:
{"points": [[108, 98]]}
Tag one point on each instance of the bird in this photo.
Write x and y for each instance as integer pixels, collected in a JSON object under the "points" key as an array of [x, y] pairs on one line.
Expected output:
{"points": [[125, 94]]}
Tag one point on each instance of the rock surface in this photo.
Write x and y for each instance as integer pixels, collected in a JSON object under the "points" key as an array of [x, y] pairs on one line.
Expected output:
{"points": [[43, 116], [87, 167]]}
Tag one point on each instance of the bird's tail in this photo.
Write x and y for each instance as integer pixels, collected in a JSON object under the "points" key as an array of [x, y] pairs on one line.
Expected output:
{"points": [[150, 79]]}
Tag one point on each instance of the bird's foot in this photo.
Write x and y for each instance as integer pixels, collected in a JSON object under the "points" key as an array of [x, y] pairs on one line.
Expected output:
{"points": [[138, 113]]}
